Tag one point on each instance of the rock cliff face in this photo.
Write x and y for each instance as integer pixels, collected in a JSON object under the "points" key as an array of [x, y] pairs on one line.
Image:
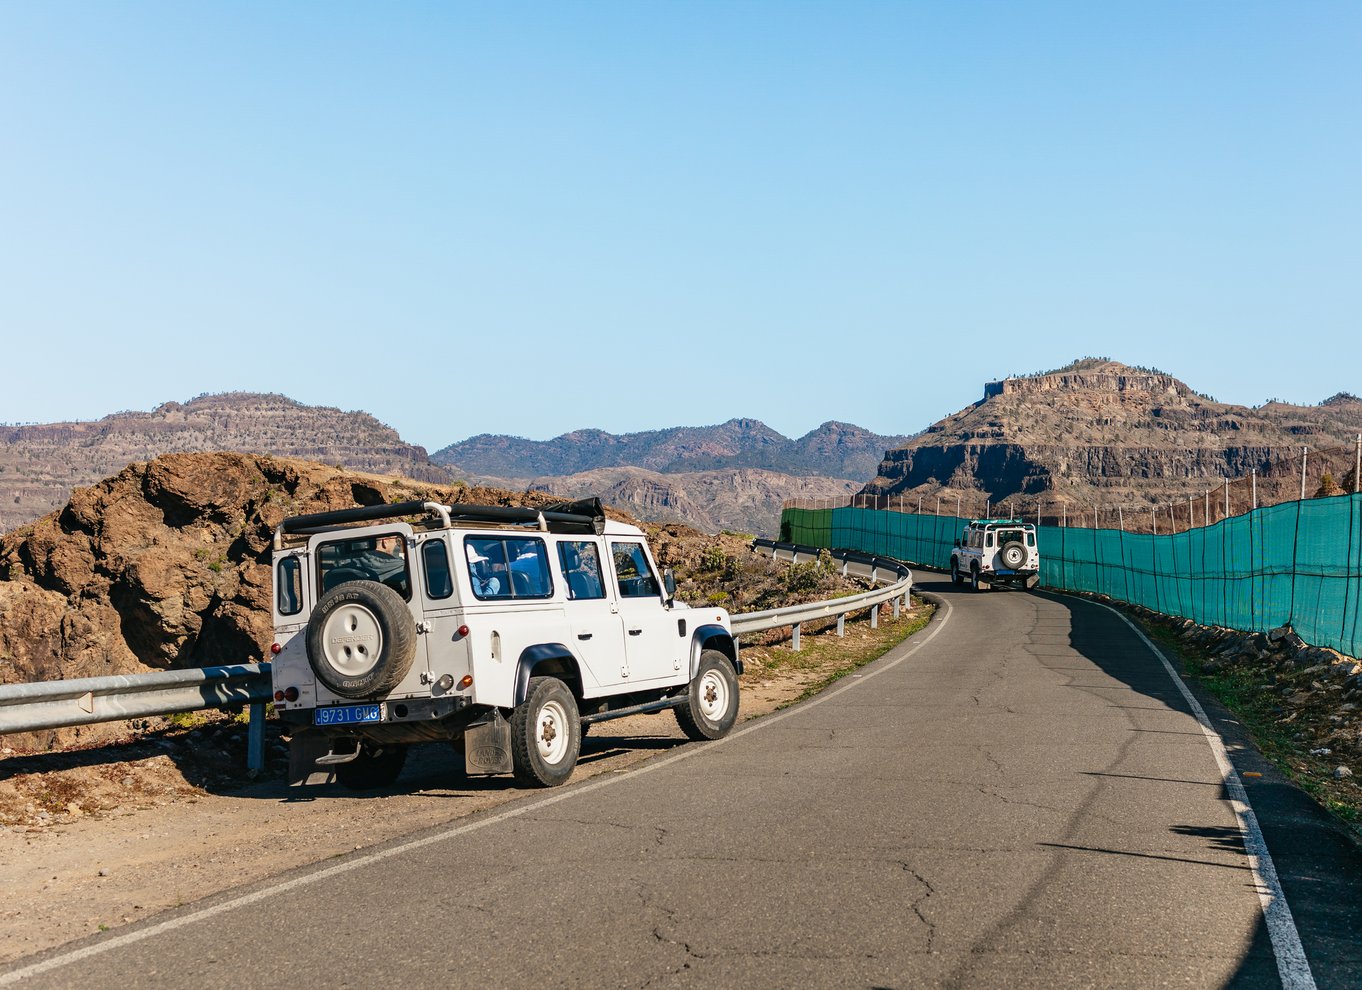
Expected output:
{"points": [[40, 465], [1100, 431]]}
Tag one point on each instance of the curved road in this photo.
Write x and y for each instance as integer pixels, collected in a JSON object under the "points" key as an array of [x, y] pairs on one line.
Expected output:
{"points": [[1020, 796]]}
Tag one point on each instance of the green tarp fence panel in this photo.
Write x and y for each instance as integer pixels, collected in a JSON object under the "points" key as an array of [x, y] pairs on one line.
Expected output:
{"points": [[1298, 562]]}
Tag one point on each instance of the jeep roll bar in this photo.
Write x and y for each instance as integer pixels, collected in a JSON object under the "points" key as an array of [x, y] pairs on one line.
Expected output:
{"points": [[585, 516]]}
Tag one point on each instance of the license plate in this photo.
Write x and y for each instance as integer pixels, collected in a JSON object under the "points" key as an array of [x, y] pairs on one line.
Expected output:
{"points": [[347, 714]]}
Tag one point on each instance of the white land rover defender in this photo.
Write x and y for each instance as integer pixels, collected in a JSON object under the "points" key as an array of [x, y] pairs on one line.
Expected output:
{"points": [[505, 631], [993, 551]]}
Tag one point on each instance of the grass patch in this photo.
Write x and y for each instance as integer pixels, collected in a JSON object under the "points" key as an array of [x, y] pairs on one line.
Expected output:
{"points": [[826, 658], [1252, 693]]}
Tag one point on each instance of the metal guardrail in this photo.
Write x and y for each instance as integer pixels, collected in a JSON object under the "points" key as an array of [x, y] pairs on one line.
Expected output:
{"points": [[82, 701], [853, 562]]}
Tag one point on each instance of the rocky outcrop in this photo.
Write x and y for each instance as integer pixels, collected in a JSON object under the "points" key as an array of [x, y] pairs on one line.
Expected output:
{"points": [[41, 464], [1102, 432]]}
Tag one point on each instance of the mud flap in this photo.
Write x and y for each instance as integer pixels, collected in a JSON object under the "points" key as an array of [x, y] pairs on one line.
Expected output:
{"points": [[303, 751], [1032, 580], [487, 747]]}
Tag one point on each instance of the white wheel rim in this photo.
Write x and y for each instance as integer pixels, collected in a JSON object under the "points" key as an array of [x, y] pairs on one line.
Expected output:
{"points": [[551, 732], [713, 696], [352, 640]]}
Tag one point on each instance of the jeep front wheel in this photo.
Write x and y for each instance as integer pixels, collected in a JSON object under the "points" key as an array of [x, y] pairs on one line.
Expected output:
{"points": [[956, 577], [976, 581], [711, 705], [546, 734]]}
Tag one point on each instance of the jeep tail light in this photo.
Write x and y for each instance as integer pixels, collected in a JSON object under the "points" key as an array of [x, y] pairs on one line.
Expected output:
{"points": [[463, 630], [291, 694], [275, 648], [466, 681], [278, 695]]}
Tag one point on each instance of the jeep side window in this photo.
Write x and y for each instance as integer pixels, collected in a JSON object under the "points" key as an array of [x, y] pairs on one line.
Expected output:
{"points": [[435, 561], [508, 568], [582, 568], [631, 567], [370, 558], [290, 585], [988, 539]]}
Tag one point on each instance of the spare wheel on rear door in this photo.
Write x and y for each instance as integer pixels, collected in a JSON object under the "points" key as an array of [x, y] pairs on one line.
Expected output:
{"points": [[361, 639], [1013, 555]]}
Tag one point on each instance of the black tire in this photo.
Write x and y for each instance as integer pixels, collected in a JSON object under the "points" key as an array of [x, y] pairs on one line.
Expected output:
{"points": [[361, 639], [976, 582], [376, 766], [956, 576], [546, 734], [711, 705], [1013, 555]]}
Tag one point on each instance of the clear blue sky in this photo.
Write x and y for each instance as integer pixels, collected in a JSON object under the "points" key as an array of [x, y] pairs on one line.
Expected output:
{"points": [[529, 218]]}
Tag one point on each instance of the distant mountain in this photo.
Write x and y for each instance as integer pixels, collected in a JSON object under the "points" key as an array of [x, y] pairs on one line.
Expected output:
{"points": [[744, 500], [833, 450], [41, 464], [1099, 432]]}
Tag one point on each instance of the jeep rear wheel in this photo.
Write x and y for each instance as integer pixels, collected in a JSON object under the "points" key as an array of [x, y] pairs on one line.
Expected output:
{"points": [[361, 639], [976, 581], [711, 705], [546, 734]]}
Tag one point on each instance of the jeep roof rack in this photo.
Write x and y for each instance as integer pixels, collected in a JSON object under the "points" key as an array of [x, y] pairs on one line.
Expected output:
{"points": [[585, 516]]}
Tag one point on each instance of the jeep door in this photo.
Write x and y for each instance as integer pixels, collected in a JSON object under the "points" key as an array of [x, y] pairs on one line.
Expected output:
{"points": [[593, 615], [653, 645]]}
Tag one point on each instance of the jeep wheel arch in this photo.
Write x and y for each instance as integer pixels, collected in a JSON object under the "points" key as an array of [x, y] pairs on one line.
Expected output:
{"points": [[546, 659], [713, 637]]}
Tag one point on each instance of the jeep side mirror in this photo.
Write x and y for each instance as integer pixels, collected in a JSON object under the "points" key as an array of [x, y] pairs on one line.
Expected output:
{"points": [[669, 584]]}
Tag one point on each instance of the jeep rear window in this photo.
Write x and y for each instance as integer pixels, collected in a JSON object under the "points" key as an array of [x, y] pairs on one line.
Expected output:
{"points": [[289, 583], [508, 568], [371, 558]]}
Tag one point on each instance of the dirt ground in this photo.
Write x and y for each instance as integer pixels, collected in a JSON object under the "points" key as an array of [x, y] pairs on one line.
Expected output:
{"points": [[94, 839]]}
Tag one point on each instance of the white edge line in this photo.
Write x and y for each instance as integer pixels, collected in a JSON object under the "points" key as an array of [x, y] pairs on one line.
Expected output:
{"points": [[1292, 966], [118, 941]]}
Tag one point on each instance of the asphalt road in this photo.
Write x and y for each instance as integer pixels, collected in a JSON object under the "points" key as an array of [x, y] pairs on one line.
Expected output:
{"points": [[1018, 797]]}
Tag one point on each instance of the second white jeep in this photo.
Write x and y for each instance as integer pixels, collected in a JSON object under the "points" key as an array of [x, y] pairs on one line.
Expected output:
{"points": [[996, 551], [505, 631]]}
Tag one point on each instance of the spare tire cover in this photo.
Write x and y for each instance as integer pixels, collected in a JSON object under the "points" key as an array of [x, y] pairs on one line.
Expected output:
{"points": [[1013, 555], [361, 639]]}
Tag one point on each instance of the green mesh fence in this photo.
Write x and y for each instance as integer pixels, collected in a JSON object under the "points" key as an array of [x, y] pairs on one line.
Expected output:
{"points": [[1298, 562]]}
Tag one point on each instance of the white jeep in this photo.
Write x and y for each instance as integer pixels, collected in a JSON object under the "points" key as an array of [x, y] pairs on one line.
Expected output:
{"points": [[505, 631], [996, 551]]}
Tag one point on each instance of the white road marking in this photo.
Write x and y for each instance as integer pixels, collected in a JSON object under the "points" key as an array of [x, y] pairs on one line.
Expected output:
{"points": [[119, 941], [1292, 966]]}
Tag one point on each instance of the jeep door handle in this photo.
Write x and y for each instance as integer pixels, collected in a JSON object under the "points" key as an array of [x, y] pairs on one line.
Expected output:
{"points": [[584, 635], [635, 632]]}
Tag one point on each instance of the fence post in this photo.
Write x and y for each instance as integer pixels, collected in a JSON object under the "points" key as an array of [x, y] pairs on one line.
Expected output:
{"points": [[1227, 497], [1121, 518], [1304, 449], [794, 638], [1254, 477], [255, 738], [1357, 467]]}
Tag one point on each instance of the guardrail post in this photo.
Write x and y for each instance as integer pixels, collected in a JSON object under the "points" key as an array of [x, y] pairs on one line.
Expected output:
{"points": [[874, 617], [842, 624], [255, 738], [794, 638], [896, 608]]}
